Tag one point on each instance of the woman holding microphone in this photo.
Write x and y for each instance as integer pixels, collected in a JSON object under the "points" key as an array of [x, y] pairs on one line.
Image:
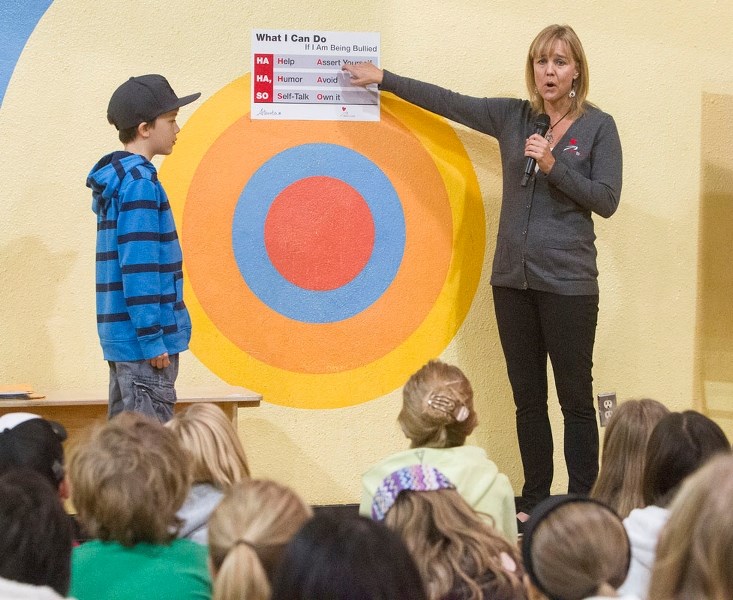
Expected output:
{"points": [[544, 276]]}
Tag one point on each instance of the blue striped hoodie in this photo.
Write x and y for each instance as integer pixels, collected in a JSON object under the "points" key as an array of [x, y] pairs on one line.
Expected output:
{"points": [[140, 309]]}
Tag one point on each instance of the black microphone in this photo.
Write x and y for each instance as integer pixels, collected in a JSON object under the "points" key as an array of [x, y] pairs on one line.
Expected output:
{"points": [[541, 125]]}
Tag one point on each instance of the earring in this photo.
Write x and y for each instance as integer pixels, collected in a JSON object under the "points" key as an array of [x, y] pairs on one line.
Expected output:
{"points": [[572, 93]]}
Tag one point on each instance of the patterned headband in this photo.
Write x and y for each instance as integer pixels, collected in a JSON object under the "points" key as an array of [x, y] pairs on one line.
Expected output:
{"points": [[417, 478]]}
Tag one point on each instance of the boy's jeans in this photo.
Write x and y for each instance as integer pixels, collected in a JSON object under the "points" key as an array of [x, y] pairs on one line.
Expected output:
{"points": [[139, 387]]}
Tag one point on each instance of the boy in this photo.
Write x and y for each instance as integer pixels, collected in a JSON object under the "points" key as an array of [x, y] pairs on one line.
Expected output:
{"points": [[129, 479], [142, 321]]}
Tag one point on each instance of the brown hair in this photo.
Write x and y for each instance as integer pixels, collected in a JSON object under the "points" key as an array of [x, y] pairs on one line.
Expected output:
{"points": [[128, 481], [679, 445], [247, 534], [211, 442], [695, 550], [453, 547], [430, 427], [619, 482], [577, 550], [542, 45]]}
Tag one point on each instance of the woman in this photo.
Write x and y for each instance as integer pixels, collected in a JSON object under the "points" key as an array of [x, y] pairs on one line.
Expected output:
{"points": [[247, 534], [544, 278], [437, 415], [217, 461], [459, 556], [624, 447]]}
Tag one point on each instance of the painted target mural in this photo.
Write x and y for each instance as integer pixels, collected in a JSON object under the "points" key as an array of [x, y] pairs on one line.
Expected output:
{"points": [[325, 261]]}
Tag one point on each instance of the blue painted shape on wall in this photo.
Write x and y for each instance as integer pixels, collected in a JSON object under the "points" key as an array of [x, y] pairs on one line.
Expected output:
{"points": [[18, 19], [248, 237]]}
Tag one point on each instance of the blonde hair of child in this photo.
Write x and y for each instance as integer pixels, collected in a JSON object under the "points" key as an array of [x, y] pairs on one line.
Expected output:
{"points": [[620, 480], [211, 442], [247, 534], [452, 545], [429, 427], [695, 551], [580, 549], [129, 479]]}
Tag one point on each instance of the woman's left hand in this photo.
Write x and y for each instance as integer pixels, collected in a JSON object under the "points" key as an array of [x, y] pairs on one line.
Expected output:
{"points": [[538, 148]]}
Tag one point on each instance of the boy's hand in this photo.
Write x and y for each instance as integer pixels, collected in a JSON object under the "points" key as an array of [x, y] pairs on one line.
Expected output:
{"points": [[160, 362]]}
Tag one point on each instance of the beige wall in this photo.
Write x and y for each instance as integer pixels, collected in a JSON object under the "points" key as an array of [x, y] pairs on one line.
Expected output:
{"points": [[659, 68]]}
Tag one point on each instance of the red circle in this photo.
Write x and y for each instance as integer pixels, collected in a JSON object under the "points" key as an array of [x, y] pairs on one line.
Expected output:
{"points": [[319, 233]]}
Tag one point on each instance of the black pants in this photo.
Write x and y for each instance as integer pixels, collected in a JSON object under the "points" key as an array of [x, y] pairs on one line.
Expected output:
{"points": [[533, 325]]}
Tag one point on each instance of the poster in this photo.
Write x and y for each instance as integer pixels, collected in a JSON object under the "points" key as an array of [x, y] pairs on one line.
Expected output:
{"points": [[297, 75]]}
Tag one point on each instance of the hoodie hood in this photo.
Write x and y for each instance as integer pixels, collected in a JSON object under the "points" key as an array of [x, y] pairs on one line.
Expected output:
{"points": [[196, 511], [643, 526], [105, 178]]}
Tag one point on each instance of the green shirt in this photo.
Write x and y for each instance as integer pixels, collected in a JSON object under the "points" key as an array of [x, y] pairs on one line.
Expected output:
{"points": [[111, 571]]}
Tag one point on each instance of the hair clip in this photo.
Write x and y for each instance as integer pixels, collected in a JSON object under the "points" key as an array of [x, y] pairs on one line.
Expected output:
{"points": [[448, 405]]}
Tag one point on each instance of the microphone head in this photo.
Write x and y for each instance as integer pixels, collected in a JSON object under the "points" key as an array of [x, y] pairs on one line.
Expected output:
{"points": [[542, 124]]}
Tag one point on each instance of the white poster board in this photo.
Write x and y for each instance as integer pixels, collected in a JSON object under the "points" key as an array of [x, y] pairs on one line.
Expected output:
{"points": [[296, 75]]}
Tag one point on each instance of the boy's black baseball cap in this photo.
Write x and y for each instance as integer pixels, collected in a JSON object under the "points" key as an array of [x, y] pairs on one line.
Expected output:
{"points": [[141, 99]]}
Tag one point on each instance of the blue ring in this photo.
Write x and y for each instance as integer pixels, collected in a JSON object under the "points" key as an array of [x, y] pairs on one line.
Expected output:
{"points": [[248, 233]]}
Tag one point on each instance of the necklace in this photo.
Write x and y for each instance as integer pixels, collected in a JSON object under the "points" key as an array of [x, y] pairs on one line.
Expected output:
{"points": [[549, 135]]}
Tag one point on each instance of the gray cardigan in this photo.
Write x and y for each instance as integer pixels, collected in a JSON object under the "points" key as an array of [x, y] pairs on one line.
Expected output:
{"points": [[546, 240]]}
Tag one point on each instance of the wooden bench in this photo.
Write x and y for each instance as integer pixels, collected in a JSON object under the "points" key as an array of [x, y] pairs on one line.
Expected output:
{"points": [[77, 411]]}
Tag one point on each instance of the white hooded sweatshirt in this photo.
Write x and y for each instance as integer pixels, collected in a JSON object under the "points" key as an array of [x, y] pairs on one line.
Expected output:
{"points": [[643, 526]]}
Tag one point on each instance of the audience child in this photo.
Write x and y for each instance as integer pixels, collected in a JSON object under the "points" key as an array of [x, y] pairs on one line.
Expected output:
{"points": [[217, 462], [30, 441], [619, 481], [336, 557], [459, 555], [247, 534], [574, 548], [695, 552], [679, 444], [128, 482], [35, 545], [437, 415]]}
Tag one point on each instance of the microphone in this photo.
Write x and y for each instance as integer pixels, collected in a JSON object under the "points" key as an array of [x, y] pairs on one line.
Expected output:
{"points": [[541, 125]]}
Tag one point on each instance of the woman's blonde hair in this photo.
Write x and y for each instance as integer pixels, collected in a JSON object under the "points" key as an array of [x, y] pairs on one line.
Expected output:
{"points": [[695, 550], [247, 534], [542, 46], [437, 407], [212, 443], [620, 480], [575, 550], [452, 546], [128, 481]]}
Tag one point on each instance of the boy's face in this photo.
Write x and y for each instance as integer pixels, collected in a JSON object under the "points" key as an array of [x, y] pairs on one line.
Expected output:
{"points": [[163, 133]]}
